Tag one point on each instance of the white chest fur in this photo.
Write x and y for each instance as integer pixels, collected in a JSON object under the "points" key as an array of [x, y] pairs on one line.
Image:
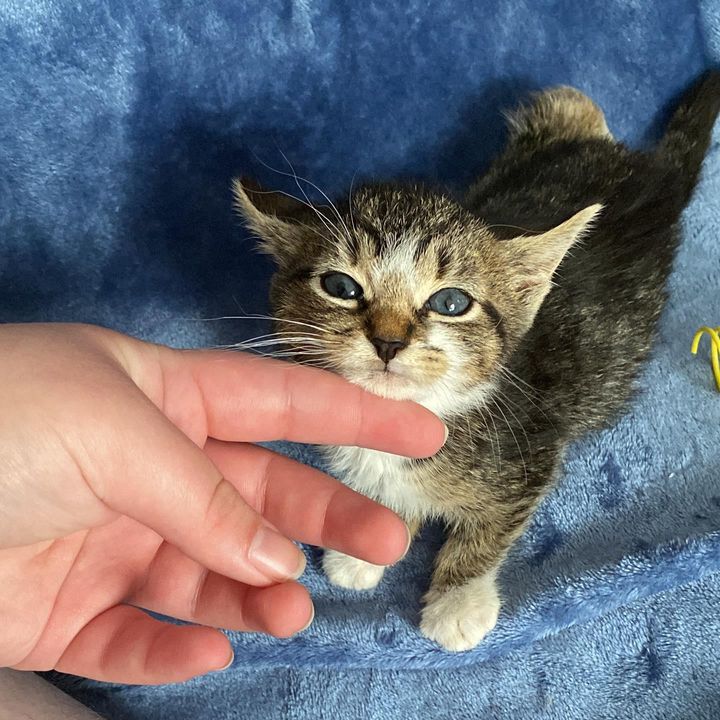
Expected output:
{"points": [[387, 478]]}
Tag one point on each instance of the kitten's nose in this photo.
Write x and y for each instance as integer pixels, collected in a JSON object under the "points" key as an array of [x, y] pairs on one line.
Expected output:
{"points": [[387, 349]]}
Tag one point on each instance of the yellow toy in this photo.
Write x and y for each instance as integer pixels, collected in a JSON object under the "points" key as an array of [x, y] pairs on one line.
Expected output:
{"points": [[714, 349]]}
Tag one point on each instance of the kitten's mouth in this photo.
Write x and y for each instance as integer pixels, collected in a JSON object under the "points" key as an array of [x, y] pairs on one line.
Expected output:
{"points": [[395, 380], [391, 370], [390, 381]]}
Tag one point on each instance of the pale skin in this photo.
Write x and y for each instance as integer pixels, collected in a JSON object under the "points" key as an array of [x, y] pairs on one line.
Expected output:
{"points": [[130, 479]]}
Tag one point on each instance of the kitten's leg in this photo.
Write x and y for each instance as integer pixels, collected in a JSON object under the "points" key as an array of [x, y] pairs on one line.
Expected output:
{"points": [[462, 604], [355, 574], [350, 572]]}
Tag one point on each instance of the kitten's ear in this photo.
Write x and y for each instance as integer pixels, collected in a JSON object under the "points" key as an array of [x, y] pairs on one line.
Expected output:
{"points": [[532, 261], [269, 215]]}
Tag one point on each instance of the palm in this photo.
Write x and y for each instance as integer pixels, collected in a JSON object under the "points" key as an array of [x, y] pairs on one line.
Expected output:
{"points": [[75, 588]]}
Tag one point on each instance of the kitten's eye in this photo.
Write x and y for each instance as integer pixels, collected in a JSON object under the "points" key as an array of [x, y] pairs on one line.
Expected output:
{"points": [[449, 301], [341, 286]]}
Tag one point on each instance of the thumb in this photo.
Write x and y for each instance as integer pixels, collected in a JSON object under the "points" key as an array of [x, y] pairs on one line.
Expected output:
{"points": [[168, 484]]}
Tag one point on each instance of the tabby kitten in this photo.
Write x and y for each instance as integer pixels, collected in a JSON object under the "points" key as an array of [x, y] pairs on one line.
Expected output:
{"points": [[458, 306]]}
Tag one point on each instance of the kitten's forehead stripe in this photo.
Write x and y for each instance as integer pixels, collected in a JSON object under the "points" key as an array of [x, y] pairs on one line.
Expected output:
{"points": [[421, 247], [376, 235], [440, 229], [353, 243], [444, 260]]}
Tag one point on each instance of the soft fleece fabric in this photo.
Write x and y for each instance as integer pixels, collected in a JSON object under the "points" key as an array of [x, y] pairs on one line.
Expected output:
{"points": [[121, 124]]}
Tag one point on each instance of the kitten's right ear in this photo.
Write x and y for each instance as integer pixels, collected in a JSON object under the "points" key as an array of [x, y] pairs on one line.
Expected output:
{"points": [[270, 216], [532, 260]]}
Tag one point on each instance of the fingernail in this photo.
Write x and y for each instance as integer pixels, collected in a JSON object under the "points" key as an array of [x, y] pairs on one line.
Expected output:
{"points": [[228, 664], [407, 547], [447, 432], [310, 621], [276, 556]]}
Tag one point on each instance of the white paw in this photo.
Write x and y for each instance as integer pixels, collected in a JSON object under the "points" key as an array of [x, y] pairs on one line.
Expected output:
{"points": [[459, 618], [349, 572]]}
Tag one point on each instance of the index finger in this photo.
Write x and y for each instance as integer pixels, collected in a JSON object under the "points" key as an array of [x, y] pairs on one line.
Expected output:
{"points": [[259, 399]]}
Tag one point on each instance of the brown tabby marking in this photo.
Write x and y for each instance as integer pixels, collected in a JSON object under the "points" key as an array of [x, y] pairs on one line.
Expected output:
{"points": [[535, 360]]}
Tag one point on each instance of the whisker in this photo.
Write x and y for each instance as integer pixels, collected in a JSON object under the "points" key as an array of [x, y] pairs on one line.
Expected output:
{"points": [[286, 341], [506, 404], [515, 227], [280, 344], [263, 317], [498, 462], [331, 227], [285, 334], [509, 372], [333, 232], [512, 432], [313, 185], [322, 363], [508, 376], [470, 437], [295, 355], [302, 201], [350, 202]]}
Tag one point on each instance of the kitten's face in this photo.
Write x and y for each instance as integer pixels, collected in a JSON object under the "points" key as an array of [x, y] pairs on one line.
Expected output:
{"points": [[408, 296]]}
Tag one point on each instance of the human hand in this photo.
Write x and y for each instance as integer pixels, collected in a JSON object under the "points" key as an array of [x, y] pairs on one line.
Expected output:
{"points": [[129, 480]]}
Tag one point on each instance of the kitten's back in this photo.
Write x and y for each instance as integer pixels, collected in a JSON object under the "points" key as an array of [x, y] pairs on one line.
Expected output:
{"points": [[597, 325]]}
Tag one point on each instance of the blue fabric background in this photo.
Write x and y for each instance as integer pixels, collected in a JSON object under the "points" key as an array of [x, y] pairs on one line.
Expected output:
{"points": [[121, 124]]}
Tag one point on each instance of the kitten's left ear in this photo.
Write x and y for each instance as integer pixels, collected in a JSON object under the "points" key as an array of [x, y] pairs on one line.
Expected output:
{"points": [[532, 261], [270, 216]]}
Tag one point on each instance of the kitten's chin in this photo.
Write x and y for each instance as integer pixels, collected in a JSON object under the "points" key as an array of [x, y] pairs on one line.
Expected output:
{"points": [[442, 398], [390, 385]]}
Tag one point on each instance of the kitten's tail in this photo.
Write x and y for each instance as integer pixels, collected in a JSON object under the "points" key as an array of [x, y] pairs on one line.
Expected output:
{"points": [[687, 137]]}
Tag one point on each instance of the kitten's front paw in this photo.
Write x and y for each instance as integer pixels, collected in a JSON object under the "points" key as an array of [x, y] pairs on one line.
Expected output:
{"points": [[459, 618], [349, 572]]}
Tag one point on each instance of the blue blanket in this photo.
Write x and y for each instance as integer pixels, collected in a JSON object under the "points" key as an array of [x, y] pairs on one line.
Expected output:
{"points": [[121, 125]]}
